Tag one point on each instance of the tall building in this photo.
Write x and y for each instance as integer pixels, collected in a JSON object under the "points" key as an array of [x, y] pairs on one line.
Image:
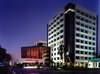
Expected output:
{"points": [[75, 29]]}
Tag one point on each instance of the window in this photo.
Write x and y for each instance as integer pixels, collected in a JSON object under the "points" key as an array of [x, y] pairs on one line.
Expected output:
{"points": [[54, 25], [54, 34], [82, 36], [61, 25], [82, 41], [86, 31], [82, 47], [85, 52], [54, 30], [77, 23], [77, 34], [77, 57], [58, 28], [77, 51], [77, 29], [81, 52], [78, 17], [90, 27], [57, 58], [93, 43], [93, 23], [54, 39], [93, 48], [93, 28], [77, 46], [54, 49], [86, 42], [89, 42], [82, 19], [82, 25], [61, 36], [82, 30], [54, 53], [77, 40], [61, 20], [61, 31], [58, 38], [86, 37], [86, 47], [57, 22], [86, 26], [86, 58], [58, 33], [57, 18], [93, 38], [90, 53], [93, 33], [86, 20], [90, 48], [61, 14]]}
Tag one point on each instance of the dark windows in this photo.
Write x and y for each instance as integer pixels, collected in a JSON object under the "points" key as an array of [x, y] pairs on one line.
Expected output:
{"points": [[77, 57], [54, 53], [77, 51], [77, 23], [86, 42], [86, 37], [61, 36], [86, 47], [78, 17], [77, 34], [61, 31], [77, 29], [82, 47], [77, 46], [82, 41], [77, 40]]}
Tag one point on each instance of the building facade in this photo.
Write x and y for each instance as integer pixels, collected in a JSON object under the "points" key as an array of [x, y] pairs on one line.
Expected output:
{"points": [[35, 54], [75, 28]]}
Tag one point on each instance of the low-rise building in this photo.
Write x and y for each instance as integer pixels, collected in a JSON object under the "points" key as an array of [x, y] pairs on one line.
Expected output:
{"points": [[94, 63], [38, 54]]}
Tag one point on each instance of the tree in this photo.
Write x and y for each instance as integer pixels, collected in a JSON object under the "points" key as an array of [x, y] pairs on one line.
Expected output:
{"points": [[8, 57]]}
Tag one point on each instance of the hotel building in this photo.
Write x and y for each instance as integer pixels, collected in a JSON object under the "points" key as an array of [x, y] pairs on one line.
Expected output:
{"points": [[75, 28]]}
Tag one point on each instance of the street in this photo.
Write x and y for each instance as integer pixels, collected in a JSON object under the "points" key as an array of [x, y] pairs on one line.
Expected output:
{"points": [[42, 71]]}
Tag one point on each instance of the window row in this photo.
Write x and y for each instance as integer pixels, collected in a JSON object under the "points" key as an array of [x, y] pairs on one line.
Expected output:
{"points": [[86, 14], [84, 52], [85, 36], [85, 25], [56, 29], [83, 58], [54, 25], [85, 31], [85, 20], [58, 58], [85, 47], [61, 31], [85, 42], [58, 38]]}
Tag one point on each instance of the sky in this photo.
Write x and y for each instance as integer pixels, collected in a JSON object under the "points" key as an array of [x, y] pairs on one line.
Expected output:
{"points": [[23, 22]]}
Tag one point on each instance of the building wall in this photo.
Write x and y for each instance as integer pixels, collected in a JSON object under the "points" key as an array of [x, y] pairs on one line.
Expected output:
{"points": [[56, 36], [77, 32]]}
